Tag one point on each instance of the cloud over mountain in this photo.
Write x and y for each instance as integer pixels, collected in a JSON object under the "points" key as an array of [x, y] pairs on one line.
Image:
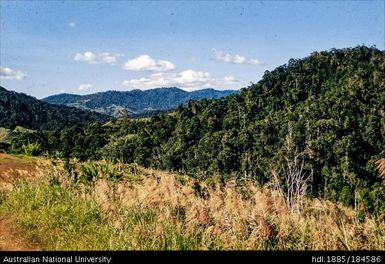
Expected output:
{"points": [[85, 87], [147, 63], [94, 58], [11, 74], [237, 59], [188, 79]]}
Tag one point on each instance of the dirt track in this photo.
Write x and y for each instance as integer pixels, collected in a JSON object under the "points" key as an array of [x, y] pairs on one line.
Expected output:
{"points": [[14, 168], [10, 239]]}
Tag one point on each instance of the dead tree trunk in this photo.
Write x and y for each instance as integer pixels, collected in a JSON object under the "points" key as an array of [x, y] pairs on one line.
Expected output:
{"points": [[290, 177]]}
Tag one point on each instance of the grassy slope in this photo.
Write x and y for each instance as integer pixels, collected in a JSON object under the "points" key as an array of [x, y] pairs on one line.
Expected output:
{"points": [[128, 207]]}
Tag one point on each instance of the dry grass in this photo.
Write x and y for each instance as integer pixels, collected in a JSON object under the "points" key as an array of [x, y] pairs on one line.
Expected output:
{"points": [[151, 209], [235, 217]]}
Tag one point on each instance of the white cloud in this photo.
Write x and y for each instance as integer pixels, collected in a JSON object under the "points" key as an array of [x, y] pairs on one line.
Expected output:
{"points": [[72, 24], [10, 74], [146, 63], [85, 87], [188, 79], [230, 79], [93, 58], [237, 59]]}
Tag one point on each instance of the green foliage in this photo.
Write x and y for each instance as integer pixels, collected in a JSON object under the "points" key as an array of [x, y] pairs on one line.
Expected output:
{"points": [[88, 172], [346, 196], [31, 149], [18, 109]]}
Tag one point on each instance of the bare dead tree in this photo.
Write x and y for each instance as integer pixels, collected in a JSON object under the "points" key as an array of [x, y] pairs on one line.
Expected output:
{"points": [[290, 178]]}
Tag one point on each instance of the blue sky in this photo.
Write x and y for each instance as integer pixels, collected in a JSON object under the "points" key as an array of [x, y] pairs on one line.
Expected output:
{"points": [[49, 47]]}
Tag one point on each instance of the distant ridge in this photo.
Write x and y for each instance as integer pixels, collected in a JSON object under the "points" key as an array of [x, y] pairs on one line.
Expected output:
{"points": [[135, 102]]}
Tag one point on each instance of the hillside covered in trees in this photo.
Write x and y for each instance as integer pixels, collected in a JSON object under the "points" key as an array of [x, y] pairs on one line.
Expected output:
{"points": [[320, 118], [135, 102], [18, 109]]}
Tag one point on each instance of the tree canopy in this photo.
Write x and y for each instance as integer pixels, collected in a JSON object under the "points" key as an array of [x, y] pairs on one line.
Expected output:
{"points": [[18, 109], [329, 104]]}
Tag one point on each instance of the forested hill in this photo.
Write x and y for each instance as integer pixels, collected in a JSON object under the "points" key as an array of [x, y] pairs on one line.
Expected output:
{"points": [[17, 109], [322, 117], [136, 101], [327, 110]]}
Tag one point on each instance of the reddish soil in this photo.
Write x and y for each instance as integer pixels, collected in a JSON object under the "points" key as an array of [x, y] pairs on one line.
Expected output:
{"points": [[11, 239], [14, 168]]}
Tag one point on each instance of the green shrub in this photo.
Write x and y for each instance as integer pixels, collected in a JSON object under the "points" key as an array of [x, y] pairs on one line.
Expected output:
{"points": [[31, 149]]}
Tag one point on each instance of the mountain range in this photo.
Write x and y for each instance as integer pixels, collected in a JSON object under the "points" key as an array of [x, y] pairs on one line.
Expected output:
{"points": [[135, 102]]}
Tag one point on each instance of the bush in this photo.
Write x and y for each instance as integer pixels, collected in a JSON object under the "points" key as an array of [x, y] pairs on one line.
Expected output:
{"points": [[31, 149]]}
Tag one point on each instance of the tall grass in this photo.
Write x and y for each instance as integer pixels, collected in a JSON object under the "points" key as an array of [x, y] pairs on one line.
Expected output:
{"points": [[56, 219], [156, 210]]}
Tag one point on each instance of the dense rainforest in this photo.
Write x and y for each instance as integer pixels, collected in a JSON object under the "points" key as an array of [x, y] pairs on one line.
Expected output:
{"points": [[18, 109], [135, 103], [322, 117]]}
